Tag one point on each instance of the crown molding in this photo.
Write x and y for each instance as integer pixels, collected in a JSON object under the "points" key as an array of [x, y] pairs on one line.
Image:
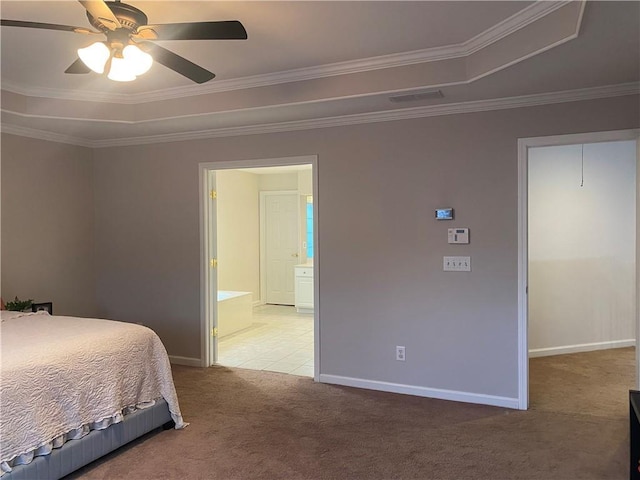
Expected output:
{"points": [[516, 22], [564, 96], [387, 116], [44, 135], [392, 115], [521, 19], [77, 95]]}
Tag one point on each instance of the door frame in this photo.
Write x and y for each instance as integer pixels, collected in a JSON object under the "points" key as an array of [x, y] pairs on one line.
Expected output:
{"points": [[208, 317], [263, 245], [523, 231]]}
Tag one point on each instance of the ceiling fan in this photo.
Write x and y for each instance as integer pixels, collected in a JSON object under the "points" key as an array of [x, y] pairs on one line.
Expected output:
{"points": [[129, 50]]}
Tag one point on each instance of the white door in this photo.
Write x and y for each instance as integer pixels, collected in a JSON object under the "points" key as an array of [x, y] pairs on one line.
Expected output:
{"points": [[281, 246]]}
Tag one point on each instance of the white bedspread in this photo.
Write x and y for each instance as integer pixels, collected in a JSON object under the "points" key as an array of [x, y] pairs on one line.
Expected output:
{"points": [[63, 374]]}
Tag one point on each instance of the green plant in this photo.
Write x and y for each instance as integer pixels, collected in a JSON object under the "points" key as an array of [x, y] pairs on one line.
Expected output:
{"points": [[18, 305]]}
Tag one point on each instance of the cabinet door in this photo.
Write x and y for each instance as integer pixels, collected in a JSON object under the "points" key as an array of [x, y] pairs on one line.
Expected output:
{"points": [[304, 292]]}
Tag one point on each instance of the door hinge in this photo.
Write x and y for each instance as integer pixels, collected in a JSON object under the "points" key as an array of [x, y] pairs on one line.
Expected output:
{"points": [[214, 332], [213, 263], [213, 194]]}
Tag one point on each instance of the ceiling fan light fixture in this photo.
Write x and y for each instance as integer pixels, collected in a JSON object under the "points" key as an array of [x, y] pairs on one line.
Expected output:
{"points": [[138, 62], [123, 56], [123, 67], [120, 70], [95, 56]]}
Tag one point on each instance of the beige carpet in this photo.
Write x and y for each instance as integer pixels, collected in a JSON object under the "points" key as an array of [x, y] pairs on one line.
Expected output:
{"points": [[260, 425]]}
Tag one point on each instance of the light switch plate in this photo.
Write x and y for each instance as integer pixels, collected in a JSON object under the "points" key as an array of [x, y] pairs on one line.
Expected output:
{"points": [[456, 264]]}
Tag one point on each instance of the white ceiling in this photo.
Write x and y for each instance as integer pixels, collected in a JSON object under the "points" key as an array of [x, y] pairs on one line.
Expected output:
{"points": [[282, 36], [317, 63]]}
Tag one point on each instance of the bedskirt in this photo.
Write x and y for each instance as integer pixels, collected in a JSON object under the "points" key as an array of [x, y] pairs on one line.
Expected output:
{"points": [[75, 454]]}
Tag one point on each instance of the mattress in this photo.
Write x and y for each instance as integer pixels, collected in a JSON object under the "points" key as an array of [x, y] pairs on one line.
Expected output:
{"points": [[63, 377]]}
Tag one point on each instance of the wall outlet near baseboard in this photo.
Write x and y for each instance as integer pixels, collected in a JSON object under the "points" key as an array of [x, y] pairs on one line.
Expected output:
{"points": [[400, 353]]}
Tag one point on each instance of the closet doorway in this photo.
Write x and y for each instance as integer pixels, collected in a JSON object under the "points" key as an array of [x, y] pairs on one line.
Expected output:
{"points": [[244, 324], [577, 247]]}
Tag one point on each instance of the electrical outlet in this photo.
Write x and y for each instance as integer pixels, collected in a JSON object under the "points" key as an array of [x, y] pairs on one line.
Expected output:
{"points": [[400, 353]]}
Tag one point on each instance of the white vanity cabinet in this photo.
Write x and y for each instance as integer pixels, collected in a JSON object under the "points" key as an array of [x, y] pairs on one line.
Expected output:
{"points": [[304, 288]]}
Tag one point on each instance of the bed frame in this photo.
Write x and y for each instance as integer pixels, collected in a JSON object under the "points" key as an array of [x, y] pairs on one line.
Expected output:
{"points": [[75, 454]]}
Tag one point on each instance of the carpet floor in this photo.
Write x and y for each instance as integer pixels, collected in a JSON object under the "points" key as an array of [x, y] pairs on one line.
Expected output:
{"points": [[248, 424]]}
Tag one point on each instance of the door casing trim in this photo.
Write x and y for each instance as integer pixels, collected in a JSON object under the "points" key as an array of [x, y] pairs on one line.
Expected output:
{"points": [[206, 320]]}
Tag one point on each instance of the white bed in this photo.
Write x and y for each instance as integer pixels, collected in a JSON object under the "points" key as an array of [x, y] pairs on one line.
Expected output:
{"points": [[63, 377]]}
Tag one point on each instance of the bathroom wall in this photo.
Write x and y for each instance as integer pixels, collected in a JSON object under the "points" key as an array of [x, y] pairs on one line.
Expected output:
{"points": [[305, 182], [582, 247], [278, 181], [238, 232]]}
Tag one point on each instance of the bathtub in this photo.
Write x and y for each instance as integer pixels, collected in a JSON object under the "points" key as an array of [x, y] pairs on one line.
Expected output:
{"points": [[235, 311]]}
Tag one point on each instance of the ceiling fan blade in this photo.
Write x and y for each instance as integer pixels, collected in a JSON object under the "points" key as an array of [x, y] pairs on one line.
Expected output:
{"points": [[224, 30], [46, 26], [99, 10], [177, 63], [77, 67]]}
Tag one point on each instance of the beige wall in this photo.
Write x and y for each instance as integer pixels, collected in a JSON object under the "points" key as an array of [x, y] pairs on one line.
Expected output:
{"points": [[238, 232], [305, 182], [379, 252], [278, 181], [47, 224]]}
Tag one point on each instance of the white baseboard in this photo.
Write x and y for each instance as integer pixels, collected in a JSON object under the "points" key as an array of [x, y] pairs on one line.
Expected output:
{"points": [[583, 347], [257, 303], [187, 361], [438, 393]]}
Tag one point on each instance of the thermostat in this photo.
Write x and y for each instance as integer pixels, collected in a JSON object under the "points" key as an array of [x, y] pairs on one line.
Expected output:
{"points": [[444, 213], [458, 235]]}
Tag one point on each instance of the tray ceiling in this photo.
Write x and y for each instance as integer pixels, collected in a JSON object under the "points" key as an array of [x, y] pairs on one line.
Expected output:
{"points": [[306, 63]]}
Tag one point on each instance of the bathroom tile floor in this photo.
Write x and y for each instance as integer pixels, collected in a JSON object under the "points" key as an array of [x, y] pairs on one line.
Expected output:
{"points": [[280, 340]]}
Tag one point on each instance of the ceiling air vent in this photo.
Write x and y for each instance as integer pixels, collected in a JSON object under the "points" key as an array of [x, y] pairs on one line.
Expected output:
{"points": [[417, 96]]}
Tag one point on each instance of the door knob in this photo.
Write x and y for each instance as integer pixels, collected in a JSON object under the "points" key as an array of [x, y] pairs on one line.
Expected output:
{"points": [[294, 254]]}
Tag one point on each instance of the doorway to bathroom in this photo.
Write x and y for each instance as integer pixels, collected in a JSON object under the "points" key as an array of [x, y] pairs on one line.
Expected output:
{"points": [[259, 225]]}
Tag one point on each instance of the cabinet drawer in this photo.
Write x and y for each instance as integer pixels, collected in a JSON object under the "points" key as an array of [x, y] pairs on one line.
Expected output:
{"points": [[304, 272]]}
